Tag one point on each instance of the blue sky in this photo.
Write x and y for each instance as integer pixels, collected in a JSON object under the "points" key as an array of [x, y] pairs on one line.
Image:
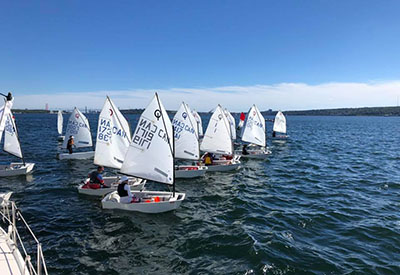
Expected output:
{"points": [[54, 48]]}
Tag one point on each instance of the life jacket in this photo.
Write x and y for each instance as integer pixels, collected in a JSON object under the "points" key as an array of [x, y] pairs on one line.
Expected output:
{"points": [[207, 160], [93, 177], [121, 191]]}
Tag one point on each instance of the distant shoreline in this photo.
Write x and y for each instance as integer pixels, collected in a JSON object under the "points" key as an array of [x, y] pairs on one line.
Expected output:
{"points": [[364, 111]]}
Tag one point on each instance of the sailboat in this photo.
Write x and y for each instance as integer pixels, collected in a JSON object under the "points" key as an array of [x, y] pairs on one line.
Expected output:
{"points": [[279, 126], [12, 144], [187, 143], [232, 124], [60, 120], [78, 127], [218, 140], [197, 117], [254, 133], [150, 156], [241, 121], [112, 143]]}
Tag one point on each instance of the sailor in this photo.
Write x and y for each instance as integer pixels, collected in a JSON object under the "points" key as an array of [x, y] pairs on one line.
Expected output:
{"points": [[208, 159], [70, 143], [273, 134], [124, 191], [96, 177]]}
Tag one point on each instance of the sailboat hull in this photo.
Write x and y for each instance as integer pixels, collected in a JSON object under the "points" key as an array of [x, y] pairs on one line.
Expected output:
{"points": [[78, 155], [223, 166], [16, 169], [189, 171], [255, 154], [112, 182], [280, 137], [151, 202]]}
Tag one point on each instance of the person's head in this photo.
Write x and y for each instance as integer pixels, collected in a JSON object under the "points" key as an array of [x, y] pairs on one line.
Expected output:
{"points": [[100, 169], [71, 137], [245, 146], [123, 179]]}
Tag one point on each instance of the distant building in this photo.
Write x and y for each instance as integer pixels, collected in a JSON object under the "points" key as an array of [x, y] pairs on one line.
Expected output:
{"points": [[47, 107]]}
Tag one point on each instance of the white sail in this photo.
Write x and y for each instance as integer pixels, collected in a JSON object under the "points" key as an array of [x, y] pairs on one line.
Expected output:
{"points": [[217, 138], [4, 112], [59, 122], [113, 137], [78, 126], [150, 154], [232, 124], [185, 134], [254, 127], [11, 140], [280, 123], [199, 122]]}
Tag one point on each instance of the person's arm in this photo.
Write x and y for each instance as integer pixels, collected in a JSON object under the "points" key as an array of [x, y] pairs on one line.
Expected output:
{"points": [[100, 178]]}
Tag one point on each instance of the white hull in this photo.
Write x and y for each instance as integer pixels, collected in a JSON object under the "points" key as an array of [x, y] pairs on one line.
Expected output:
{"points": [[60, 138], [78, 155], [255, 154], [16, 169], [147, 204], [112, 182], [280, 137], [189, 171], [224, 166]]}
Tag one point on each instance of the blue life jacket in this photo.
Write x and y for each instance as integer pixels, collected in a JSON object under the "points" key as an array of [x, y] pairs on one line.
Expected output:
{"points": [[94, 177]]}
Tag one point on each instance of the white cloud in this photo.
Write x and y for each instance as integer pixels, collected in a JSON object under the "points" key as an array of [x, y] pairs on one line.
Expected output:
{"points": [[284, 96]]}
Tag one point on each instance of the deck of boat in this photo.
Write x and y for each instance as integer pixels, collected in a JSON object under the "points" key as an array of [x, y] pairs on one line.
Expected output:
{"points": [[11, 261]]}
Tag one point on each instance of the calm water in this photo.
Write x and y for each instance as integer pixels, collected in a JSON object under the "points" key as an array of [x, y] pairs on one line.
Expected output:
{"points": [[326, 201]]}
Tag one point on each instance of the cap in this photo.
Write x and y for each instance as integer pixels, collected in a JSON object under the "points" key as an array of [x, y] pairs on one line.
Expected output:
{"points": [[123, 178]]}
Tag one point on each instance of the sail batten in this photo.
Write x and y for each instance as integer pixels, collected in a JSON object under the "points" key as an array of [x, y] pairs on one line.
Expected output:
{"points": [[150, 153], [113, 136], [253, 130]]}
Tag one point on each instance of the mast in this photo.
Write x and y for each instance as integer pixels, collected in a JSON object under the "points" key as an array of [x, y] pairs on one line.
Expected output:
{"points": [[229, 128], [169, 142], [261, 119], [173, 162], [198, 136]]}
